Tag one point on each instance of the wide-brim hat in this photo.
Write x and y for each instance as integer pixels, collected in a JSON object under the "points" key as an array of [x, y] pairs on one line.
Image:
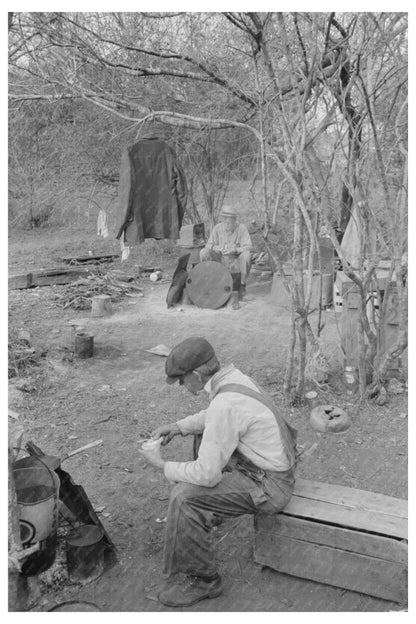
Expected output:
{"points": [[229, 211], [186, 356]]}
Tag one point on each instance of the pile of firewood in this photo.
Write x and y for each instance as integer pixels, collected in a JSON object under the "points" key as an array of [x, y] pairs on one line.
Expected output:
{"points": [[116, 284]]}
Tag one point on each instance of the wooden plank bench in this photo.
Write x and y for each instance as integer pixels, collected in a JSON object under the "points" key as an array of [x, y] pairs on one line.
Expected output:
{"points": [[353, 539]]}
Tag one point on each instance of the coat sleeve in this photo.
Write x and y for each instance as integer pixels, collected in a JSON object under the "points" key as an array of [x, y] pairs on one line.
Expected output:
{"points": [[244, 241], [214, 239], [124, 215], [219, 440], [192, 424], [181, 190]]}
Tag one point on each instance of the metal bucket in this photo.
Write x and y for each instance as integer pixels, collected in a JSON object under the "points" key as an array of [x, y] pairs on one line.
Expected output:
{"points": [[85, 553], [37, 489]]}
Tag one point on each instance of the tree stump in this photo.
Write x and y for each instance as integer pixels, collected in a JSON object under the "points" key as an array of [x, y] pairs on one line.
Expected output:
{"points": [[101, 305]]}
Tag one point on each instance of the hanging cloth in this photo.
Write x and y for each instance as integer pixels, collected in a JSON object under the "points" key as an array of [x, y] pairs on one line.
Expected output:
{"points": [[152, 192], [102, 227]]}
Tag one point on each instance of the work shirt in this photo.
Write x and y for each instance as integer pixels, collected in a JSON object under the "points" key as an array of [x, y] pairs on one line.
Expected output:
{"points": [[232, 421], [225, 240]]}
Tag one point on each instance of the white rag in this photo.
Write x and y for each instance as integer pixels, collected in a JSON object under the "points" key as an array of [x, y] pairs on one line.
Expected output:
{"points": [[102, 228], [125, 250]]}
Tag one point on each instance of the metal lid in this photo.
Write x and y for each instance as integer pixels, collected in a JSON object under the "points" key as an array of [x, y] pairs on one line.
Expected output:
{"points": [[209, 284]]}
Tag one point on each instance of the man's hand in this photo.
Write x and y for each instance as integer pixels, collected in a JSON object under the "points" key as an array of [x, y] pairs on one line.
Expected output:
{"points": [[167, 432], [231, 250], [153, 457]]}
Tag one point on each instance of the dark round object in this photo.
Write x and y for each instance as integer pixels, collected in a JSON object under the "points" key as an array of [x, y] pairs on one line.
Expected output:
{"points": [[75, 605], [209, 285]]}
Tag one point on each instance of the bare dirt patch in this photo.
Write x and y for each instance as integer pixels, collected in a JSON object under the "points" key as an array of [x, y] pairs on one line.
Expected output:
{"points": [[123, 387]]}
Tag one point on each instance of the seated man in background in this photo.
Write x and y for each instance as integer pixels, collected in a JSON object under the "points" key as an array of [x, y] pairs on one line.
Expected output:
{"points": [[230, 244]]}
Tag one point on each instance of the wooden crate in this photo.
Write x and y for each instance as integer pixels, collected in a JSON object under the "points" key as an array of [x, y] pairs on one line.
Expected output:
{"points": [[353, 539], [192, 235], [280, 297], [347, 301]]}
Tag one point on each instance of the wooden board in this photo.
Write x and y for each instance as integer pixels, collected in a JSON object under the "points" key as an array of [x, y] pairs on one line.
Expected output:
{"points": [[337, 537], [92, 259], [347, 516], [18, 282], [333, 566], [343, 495], [46, 277], [209, 285], [348, 507]]}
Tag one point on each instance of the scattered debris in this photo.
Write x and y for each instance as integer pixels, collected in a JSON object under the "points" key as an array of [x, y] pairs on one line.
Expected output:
{"points": [[382, 397], [394, 386], [99, 509], [21, 354], [25, 386], [79, 294], [24, 337], [156, 276], [160, 349], [310, 450]]}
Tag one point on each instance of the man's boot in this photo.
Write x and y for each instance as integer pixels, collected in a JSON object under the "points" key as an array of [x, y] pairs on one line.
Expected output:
{"points": [[234, 300], [191, 591]]}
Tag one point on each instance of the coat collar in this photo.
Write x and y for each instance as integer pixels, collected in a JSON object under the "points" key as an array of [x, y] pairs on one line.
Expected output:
{"points": [[213, 385]]}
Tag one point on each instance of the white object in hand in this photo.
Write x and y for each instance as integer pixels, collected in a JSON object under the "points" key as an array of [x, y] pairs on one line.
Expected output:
{"points": [[151, 444]]}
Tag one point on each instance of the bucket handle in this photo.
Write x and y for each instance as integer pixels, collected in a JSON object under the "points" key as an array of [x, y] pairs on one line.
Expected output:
{"points": [[43, 464]]}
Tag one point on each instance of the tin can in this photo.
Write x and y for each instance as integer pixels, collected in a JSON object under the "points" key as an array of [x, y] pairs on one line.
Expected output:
{"points": [[85, 553], [156, 276]]}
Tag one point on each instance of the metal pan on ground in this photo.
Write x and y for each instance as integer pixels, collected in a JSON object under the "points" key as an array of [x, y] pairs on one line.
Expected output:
{"points": [[54, 462], [209, 285]]}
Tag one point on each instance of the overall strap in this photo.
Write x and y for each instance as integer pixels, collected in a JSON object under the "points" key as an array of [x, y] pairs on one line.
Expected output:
{"points": [[288, 433]]}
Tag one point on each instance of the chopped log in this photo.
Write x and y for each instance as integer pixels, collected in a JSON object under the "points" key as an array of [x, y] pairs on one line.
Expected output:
{"points": [[101, 305]]}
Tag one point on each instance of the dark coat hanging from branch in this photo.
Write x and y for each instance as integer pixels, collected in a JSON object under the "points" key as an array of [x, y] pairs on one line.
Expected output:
{"points": [[152, 192]]}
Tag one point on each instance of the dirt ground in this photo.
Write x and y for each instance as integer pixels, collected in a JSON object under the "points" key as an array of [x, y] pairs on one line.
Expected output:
{"points": [[123, 386]]}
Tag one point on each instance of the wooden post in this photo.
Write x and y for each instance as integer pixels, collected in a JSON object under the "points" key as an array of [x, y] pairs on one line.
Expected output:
{"points": [[390, 330]]}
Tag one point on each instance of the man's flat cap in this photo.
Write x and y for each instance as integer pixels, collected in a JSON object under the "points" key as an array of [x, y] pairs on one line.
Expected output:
{"points": [[186, 357]]}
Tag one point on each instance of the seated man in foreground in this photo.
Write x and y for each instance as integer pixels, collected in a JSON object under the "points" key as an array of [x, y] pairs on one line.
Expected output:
{"points": [[241, 424], [230, 244]]}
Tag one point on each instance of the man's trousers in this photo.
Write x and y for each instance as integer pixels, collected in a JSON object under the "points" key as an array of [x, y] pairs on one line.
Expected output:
{"points": [[193, 511]]}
